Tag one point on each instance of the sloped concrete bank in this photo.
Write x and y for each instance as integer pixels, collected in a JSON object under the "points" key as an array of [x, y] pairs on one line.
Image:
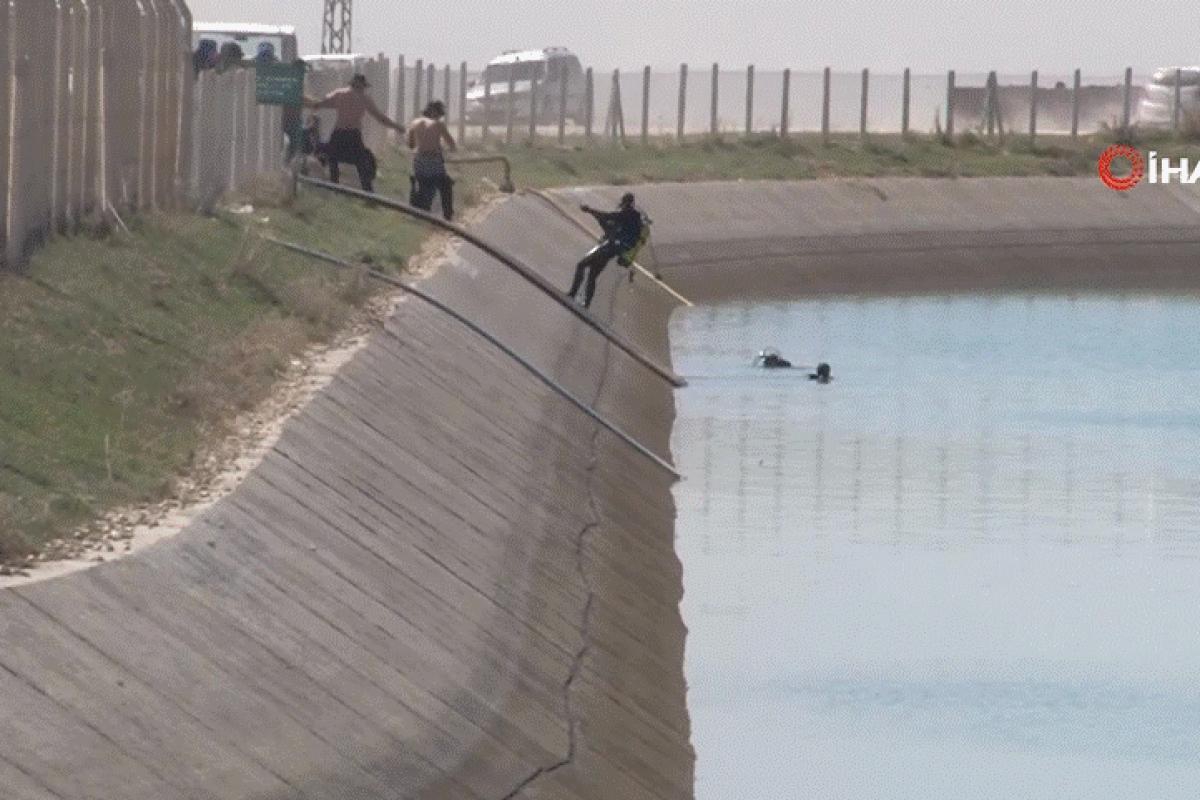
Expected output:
{"points": [[445, 581]]}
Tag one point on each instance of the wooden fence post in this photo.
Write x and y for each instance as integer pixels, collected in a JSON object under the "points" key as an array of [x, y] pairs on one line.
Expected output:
{"points": [[825, 106], [905, 102], [681, 128]]}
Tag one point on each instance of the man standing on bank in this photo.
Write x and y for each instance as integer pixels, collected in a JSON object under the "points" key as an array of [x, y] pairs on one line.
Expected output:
{"points": [[426, 134], [623, 231], [346, 145]]}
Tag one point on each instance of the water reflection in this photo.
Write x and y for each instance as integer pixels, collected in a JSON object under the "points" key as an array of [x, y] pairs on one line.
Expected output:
{"points": [[994, 492]]}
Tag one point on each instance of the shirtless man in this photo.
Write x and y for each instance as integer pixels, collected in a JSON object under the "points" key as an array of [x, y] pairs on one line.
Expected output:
{"points": [[425, 137], [346, 143]]}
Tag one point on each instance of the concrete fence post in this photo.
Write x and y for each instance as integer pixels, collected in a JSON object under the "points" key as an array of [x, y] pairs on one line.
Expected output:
{"points": [[62, 114], [401, 87], [430, 79], [448, 95], [187, 107], [646, 106], [862, 112], [418, 78], [991, 104], [1075, 104], [750, 100], [462, 102], [589, 104], [826, 79], [905, 102], [511, 115], [534, 87], [562, 108], [681, 128], [487, 106], [1127, 104], [1176, 109], [784, 105], [1033, 107], [714, 119], [5, 120], [950, 104]]}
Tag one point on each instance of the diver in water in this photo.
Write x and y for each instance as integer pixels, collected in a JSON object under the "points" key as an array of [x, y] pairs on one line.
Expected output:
{"points": [[822, 375], [769, 359], [623, 232]]}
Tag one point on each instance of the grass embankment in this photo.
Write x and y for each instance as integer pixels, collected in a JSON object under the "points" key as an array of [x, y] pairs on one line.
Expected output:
{"points": [[123, 356]]}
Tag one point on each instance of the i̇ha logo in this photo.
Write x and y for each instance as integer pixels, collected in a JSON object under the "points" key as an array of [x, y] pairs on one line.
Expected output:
{"points": [[1154, 168]]}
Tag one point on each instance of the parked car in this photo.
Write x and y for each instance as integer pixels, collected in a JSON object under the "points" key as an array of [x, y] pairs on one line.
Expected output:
{"points": [[549, 69], [1157, 108]]}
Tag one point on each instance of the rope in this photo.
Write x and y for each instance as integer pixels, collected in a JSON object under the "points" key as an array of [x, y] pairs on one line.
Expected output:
{"points": [[508, 351], [550, 201], [516, 266]]}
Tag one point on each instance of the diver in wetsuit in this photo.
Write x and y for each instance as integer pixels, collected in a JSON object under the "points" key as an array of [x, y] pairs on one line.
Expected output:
{"points": [[622, 232], [822, 375]]}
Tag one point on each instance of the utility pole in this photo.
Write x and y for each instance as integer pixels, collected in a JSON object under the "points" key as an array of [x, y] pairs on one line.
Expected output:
{"points": [[336, 26]]}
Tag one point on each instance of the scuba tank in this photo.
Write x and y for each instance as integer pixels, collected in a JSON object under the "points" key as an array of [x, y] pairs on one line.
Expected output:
{"points": [[626, 258]]}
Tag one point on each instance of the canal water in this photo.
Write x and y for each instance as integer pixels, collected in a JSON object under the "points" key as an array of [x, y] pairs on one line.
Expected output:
{"points": [[967, 568]]}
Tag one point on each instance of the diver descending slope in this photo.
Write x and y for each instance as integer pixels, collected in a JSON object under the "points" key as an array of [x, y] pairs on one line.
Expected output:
{"points": [[626, 230]]}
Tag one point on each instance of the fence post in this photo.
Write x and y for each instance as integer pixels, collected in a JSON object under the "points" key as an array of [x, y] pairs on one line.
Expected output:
{"points": [[1033, 104], [950, 104], [449, 93], [511, 116], [646, 106], [62, 112], [5, 143], [418, 78], [462, 102], [1126, 106], [430, 80], [487, 105], [714, 120], [589, 100], [825, 107], [401, 88], [750, 100], [784, 103], [533, 108], [862, 112], [1075, 105], [681, 128], [1175, 115], [905, 102], [992, 104], [562, 108]]}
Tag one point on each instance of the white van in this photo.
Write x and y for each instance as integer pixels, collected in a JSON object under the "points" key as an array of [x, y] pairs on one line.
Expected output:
{"points": [[550, 68]]}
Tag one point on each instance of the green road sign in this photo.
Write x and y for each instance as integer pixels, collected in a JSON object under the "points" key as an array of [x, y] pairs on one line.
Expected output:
{"points": [[279, 84]]}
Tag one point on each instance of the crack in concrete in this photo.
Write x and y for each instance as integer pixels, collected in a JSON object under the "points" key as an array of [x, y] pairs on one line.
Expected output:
{"points": [[585, 625]]}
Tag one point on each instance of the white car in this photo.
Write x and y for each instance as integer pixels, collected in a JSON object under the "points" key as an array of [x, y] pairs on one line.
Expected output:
{"points": [[1157, 107], [488, 96]]}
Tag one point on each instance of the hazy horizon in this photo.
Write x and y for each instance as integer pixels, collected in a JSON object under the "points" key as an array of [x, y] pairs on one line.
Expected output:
{"points": [[929, 37]]}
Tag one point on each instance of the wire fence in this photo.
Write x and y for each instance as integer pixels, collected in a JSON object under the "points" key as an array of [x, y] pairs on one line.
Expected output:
{"points": [[628, 104]]}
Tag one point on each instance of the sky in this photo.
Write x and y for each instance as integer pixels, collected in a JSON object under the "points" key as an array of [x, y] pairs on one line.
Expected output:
{"points": [[930, 36]]}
